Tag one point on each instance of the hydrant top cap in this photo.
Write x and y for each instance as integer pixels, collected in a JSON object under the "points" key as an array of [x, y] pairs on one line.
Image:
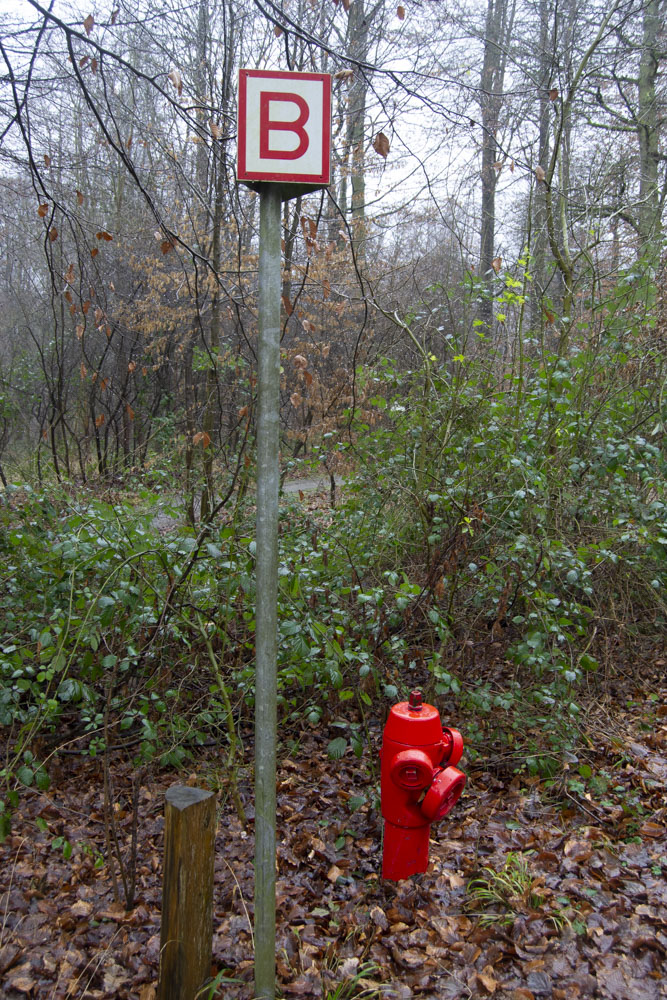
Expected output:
{"points": [[404, 725]]}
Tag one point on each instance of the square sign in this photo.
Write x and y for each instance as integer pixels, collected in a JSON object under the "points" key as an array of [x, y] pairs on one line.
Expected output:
{"points": [[284, 130]]}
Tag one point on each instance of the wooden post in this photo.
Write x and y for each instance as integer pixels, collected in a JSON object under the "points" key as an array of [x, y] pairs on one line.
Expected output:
{"points": [[186, 932]]}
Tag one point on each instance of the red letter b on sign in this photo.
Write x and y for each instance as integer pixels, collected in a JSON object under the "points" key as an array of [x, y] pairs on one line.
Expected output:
{"points": [[266, 126]]}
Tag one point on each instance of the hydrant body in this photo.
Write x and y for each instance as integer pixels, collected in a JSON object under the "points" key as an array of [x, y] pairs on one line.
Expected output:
{"points": [[419, 783]]}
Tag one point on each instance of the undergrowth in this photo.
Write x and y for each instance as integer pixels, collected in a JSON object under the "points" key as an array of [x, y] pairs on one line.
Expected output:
{"points": [[516, 519]]}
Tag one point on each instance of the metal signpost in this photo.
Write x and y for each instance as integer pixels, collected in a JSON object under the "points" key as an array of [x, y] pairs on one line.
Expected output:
{"points": [[284, 136]]}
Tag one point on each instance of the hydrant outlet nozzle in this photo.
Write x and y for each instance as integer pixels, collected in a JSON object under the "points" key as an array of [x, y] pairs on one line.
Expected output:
{"points": [[415, 702]]}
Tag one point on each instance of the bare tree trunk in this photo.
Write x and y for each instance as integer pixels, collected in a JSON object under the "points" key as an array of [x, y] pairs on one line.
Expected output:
{"points": [[648, 133], [358, 24], [498, 12], [539, 221]]}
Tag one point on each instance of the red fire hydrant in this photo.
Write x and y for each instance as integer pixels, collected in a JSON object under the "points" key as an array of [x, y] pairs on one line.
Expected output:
{"points": [[419, 783]]}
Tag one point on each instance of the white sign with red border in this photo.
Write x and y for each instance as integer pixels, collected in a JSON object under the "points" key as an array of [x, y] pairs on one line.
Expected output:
{"points": [[284, 132]]}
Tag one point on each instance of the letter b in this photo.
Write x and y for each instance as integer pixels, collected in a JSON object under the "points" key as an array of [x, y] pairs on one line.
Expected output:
{"points": [[267, 125]]}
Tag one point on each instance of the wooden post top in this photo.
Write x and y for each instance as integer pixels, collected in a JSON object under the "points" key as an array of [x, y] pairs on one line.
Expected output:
{"points": [[182, 796]]}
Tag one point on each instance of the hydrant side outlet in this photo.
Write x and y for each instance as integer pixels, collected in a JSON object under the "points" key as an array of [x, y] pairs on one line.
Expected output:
{"points": [[419, 783]]}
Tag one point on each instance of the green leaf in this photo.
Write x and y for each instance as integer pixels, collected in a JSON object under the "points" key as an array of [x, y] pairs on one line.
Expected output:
{"points": [[337, 748], [42, 780], [25, 775]]}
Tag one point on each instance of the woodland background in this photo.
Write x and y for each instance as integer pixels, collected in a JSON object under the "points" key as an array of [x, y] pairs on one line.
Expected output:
{"points": [[473, 354]]}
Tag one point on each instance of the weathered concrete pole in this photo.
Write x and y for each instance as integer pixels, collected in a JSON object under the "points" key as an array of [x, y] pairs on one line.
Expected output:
{"points": [[266, 634]]}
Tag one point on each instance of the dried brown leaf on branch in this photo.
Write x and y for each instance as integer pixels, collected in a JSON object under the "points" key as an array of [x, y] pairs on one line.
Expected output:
{"points": [[400, 12], [202, 438], [176, 80], [89, 24], [553, 94], [42, 210], [345, 75], [496, 264], [540, 172], [381, 144]]}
